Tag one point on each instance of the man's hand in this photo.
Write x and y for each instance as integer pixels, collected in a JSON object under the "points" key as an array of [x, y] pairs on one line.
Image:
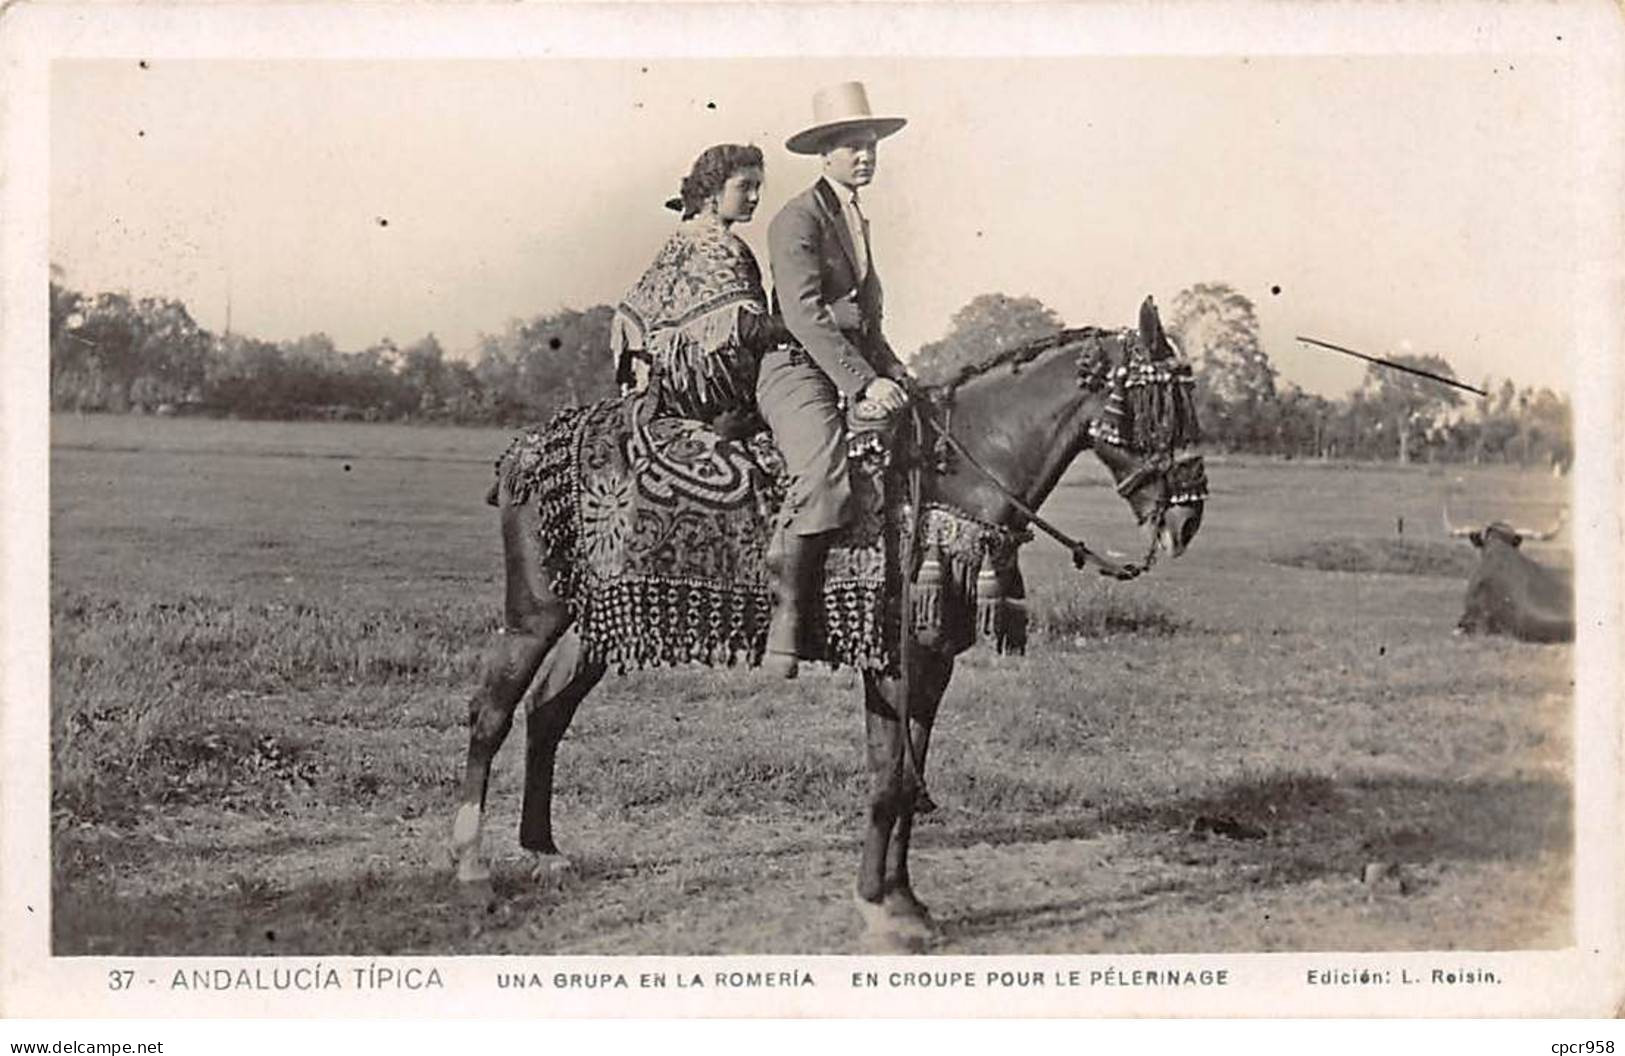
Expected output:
{"points": [[886, 394], [846, 313]]}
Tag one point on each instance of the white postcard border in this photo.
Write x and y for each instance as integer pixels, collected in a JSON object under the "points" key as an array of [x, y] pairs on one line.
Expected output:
{"points": [[1584, 980]]}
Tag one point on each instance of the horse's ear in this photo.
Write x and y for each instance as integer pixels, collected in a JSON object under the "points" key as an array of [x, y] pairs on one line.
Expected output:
{"points": [[1152, 339]]}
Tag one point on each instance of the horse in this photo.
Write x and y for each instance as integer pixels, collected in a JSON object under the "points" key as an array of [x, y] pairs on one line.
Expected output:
{"points": [[991, 443]]}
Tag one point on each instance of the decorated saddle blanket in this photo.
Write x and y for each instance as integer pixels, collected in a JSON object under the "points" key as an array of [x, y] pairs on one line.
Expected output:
{"points": [[657, 533]]}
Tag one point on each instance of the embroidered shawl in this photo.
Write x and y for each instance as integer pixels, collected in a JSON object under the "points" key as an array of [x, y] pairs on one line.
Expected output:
{"points": [[692, 318]]}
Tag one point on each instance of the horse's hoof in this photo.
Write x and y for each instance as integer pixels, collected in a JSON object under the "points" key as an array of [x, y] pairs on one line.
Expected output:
{"points": [[873, 914], [888, 931], [478, 893], [470, 872], [908, 916], [781, 665], [923, 803], [891, 943], [551, 869]]}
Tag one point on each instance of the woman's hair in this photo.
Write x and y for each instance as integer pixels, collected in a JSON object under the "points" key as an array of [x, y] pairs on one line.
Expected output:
{"points": [[711, 170]]}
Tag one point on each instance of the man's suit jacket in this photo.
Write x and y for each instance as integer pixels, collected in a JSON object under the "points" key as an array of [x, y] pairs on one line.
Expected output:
{"points": [[814, 268]]}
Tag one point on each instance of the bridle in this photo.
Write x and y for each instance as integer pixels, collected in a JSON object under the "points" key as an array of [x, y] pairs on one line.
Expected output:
{"points": [[1184, 483], [1185, 480]]}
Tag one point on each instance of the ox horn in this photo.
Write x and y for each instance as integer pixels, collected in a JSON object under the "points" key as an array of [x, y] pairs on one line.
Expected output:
{"points": [[1541, 537], [1455, 533]]}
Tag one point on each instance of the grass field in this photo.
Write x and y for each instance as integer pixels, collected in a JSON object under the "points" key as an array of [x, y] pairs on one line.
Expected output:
{"points": [[264, 637]]}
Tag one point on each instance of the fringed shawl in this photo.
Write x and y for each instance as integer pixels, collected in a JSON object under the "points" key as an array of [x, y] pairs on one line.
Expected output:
{"points": [[692, 316]]}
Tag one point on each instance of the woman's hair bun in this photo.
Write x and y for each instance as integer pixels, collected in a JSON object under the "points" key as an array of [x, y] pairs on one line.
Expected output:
{"points": [[709, 172]]}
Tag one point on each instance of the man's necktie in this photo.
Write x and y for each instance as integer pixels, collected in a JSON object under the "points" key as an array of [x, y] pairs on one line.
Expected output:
{"points": [[859, 226]]}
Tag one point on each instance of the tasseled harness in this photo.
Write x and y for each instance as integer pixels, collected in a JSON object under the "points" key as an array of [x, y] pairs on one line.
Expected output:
{"points": [[1149, 410]]}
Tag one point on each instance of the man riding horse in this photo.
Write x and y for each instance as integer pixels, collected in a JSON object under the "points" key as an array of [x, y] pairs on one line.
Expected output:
{"points": [[828, 294]]}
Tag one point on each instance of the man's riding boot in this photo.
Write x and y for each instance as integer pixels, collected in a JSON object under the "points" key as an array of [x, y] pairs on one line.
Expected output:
{"points": [[800, 566]]}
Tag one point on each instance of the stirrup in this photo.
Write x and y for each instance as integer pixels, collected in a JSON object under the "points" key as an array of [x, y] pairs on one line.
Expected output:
{"points": [[783, 648], [781, 665]]}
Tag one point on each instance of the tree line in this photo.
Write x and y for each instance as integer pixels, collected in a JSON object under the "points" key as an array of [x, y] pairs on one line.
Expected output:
{"points": [[114, 353], [1244, 406]]}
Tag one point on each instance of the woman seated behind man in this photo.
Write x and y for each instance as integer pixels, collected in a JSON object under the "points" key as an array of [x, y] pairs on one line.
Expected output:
{"points": [[690, 333]]}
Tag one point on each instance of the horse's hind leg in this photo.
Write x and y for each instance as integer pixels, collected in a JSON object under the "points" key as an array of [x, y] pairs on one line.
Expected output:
{"points": [[509, 667], [566, 678], [535, 620]]}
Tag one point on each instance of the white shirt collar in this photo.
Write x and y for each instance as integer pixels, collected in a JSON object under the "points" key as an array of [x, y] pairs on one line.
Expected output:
{"points": [[843, 193]]}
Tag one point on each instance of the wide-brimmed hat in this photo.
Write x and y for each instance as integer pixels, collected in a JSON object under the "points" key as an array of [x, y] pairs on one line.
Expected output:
{"points": [[836, 109]]}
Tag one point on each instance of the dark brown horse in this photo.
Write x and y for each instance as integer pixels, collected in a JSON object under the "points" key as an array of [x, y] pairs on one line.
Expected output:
{"points": [[1017, 422]]}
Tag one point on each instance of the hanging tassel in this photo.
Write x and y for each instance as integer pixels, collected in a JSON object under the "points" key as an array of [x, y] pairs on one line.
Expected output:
{"points": [[1156, 412], [1143, 417], [989, 603], [1001, 610], [925, 600], [626, 346], [1187, 429]]}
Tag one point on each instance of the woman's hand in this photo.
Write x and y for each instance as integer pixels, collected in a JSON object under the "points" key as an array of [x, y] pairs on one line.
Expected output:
{"points": [[737, 423]]}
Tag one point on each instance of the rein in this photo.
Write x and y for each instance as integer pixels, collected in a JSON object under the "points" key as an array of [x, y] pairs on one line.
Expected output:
{"points": [[909, 762], [1082, 556]]}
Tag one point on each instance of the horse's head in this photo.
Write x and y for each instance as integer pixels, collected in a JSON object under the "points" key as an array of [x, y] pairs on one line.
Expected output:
{"points": [[1147, 415], [1166, 496], [1025, 420]]}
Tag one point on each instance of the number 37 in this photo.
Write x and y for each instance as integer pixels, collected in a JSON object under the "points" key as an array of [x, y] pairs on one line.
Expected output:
{"points": [[121, 979]]}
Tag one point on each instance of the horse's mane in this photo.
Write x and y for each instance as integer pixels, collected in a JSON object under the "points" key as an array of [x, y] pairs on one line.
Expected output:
{"points": [[1150, 405], [1015, 356]]}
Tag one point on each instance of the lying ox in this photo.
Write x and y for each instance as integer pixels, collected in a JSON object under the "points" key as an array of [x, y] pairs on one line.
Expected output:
{"points": [[1509, 593]]}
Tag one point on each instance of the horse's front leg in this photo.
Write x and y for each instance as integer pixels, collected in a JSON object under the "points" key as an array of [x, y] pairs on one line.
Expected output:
{"points": [[892, 915], [880, 736], [930, 682]]}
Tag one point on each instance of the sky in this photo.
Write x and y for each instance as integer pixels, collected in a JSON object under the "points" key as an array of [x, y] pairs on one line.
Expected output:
{"points": [[1420, 203]]}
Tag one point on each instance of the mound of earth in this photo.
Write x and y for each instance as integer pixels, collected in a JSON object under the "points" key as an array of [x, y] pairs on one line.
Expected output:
{"points": [[1399, 557]]}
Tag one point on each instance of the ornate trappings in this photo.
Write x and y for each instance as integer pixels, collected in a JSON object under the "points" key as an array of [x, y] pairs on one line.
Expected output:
{"points": [[1150, 406], [655, 530], [655, 533], [969, 583]]}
